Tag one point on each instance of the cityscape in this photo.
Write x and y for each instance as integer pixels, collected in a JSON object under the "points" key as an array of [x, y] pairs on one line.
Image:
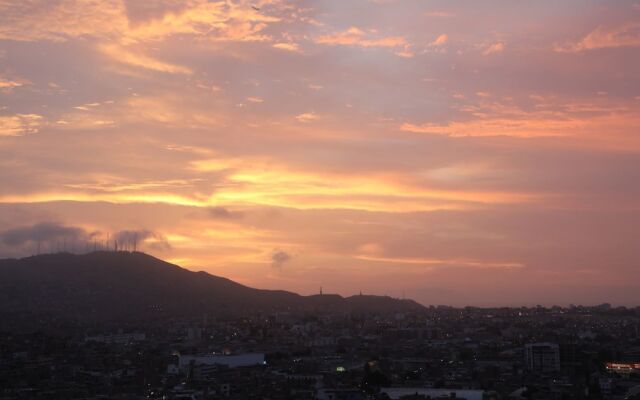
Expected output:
{"points": [[287, 351]]}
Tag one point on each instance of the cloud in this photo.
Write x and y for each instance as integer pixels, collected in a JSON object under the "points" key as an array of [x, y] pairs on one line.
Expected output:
{"points": [[494, 48], [558, 119], [279, 258], [126, 33], [294, 47], [377, 253], [307, 117], [135, 239], [439, 14], [215, 20], [111, 20], [356, 37], [52, 236], [224, 213], [165, 110], [454, 262], [59, 21], [20, 124], [440, 40], [137, 59], [601, 38], [44, 232], [7, 85]]}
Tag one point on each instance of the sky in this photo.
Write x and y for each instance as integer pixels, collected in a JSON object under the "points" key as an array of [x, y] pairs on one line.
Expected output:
{"points": [[453, 152]]}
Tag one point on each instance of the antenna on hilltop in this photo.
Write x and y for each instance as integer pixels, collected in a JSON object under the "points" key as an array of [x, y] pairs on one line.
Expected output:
{"points": [[320, 290]]}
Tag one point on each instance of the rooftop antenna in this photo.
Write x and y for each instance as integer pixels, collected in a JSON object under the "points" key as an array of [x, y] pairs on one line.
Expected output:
{"points": [[115, 245], [38, 247], [64, 244], [135, 241], [320, 290]]}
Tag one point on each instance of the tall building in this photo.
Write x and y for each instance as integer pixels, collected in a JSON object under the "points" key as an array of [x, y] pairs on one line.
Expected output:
{"points": [[542, 357]]}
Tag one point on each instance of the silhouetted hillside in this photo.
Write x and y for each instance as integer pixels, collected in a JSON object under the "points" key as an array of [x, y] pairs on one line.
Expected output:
{"points": [[114, 286]]}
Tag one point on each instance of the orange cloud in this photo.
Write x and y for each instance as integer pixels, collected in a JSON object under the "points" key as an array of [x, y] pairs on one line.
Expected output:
{"points": [[307, 117], [494, 48], [29, 20], [454, 262], [20, 124], [357, 37], [280, 186], [440, 40], [8, 85], [108, 25], [287, 46], [546, 120]]}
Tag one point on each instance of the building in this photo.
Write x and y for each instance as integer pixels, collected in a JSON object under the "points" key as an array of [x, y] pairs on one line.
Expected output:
{"points": [[542, 357], [466, 394], [231, 361]]}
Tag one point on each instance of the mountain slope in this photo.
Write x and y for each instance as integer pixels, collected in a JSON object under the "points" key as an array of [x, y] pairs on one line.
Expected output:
{"points": [[114, 286]]}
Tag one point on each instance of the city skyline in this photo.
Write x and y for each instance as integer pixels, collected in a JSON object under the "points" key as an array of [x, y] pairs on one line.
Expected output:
{"points": [[461, 153]]}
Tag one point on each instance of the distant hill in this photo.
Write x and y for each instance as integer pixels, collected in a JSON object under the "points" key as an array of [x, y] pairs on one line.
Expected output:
{"points": [[123, 286]]}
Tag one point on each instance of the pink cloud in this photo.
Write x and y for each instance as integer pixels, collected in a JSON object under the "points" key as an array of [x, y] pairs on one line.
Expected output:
{"points": [[601, 38]]}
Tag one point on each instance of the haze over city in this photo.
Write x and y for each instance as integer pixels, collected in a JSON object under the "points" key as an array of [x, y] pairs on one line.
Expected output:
{"points": [[460, 153]]}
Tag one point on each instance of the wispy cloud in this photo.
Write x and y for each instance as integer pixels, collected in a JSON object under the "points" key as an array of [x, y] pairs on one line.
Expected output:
{"points": [[7, 85], [42, 232], [357, 37], [294, 47], [440, 40], [439, 14], [20, 124], [307, 117], [440, 262], [627, 35], [494, 48], [492, 118], [131, 57]]}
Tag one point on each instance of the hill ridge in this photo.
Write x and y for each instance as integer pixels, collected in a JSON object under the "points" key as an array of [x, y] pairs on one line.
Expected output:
{"points": [[116, 286]]}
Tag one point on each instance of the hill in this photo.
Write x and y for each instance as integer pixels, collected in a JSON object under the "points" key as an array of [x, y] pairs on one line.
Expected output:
{"points": [[123, 286]]}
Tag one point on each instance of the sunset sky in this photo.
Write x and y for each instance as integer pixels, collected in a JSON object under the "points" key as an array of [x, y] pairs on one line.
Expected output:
{"points": [[454, 152]]}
